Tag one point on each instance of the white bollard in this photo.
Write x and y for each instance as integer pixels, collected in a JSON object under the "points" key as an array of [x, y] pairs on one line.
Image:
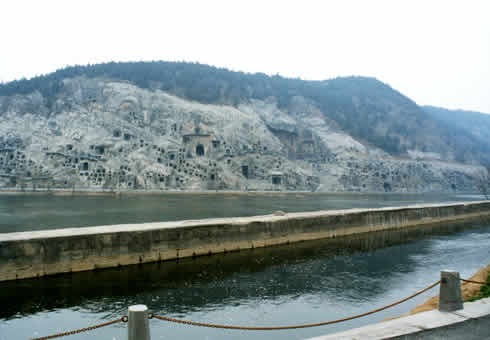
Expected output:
{"points": [[138, 325], [450, 297]]}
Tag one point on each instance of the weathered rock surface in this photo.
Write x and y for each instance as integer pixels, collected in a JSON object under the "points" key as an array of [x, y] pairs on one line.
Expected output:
{"points": [[102, 133]]}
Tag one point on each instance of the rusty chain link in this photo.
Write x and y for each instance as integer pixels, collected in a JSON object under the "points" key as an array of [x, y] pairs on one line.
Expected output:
{"points": [[81, 330], [477, 282], [200, 324]]}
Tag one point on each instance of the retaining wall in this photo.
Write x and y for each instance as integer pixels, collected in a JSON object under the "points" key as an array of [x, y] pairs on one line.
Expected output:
{"points": [[39, 253]]}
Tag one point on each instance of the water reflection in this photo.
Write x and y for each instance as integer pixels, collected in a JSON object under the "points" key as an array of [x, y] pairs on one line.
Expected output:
{"points": [[351, 269]]}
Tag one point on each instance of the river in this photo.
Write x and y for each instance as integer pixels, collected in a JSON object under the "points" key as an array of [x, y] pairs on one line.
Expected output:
{"points": [[24, 212], [294, 284]]}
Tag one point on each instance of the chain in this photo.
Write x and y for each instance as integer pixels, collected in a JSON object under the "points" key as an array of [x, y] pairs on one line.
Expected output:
{"points": [[200, 324], [81, 330], [477, 282]]}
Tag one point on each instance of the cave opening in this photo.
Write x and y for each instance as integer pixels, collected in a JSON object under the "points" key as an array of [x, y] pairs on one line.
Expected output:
{"points": [[200, 150], [276, 180], [245, 171]]}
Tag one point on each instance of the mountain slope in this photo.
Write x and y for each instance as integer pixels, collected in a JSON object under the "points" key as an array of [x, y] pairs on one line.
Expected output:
{"points": [[473, 125], [177, 125]]}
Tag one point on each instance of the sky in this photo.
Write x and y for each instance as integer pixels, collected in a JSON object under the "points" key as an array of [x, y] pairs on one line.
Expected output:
{"points": [[435, 52]]}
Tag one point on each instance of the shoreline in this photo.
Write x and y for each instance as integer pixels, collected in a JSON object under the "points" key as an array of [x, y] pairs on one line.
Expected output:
{"points": [[110, 192], [468, 291]]}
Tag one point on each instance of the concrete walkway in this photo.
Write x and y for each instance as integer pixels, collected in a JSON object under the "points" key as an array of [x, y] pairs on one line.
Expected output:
{"points": [[470, 323]]}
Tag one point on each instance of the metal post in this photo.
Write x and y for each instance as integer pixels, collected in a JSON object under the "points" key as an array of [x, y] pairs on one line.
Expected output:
{"points": [[138, 326], [450, 297]]}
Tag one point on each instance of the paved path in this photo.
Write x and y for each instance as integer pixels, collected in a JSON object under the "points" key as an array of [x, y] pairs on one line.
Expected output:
{"points": [[470, 323]]}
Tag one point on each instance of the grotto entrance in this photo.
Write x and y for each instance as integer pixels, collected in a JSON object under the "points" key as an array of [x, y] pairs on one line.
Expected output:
{"points": [[245, 171], [276, 179], [200, 150]]}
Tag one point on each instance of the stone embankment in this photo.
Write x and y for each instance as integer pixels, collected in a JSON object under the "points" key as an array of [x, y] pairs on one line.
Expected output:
{"points": [[40, 253]]}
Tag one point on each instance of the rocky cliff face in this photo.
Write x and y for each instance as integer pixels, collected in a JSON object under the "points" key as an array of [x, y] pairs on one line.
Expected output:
{"points": [[110, 134]]}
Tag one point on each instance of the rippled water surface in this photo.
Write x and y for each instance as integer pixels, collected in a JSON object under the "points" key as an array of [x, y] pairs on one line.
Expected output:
{"points": [[302, 283]]}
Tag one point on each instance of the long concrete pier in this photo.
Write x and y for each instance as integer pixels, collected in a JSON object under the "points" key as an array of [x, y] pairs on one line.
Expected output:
{"points": [[40, 253]]}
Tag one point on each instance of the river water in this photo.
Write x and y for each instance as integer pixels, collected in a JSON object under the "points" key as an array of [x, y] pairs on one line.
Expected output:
{"points": [[295, 284], [24, 212]]}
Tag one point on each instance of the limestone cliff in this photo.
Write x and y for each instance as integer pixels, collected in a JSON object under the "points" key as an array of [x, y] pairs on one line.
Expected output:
{"points": [[101, 132]]}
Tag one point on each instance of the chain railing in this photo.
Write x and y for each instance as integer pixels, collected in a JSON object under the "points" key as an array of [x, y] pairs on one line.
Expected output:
{"points": [[81, 330], [200, 324], [477, 282], [124, 319]]}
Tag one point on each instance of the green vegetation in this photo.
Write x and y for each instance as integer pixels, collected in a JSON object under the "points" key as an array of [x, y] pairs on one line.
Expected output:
{"points": [[484, 291], [209, 84]]}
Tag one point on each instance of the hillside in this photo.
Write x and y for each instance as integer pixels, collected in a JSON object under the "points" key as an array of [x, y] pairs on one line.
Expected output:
{"points": [[475, 126], [161, 125]]}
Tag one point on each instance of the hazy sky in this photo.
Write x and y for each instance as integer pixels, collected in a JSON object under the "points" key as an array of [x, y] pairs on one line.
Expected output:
{"points": [[435, 52]]}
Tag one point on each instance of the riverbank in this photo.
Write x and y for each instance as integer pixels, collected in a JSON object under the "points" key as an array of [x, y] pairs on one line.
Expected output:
{"points": [[90, 192], [468, 291], [426, 322], [111, 192]]}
